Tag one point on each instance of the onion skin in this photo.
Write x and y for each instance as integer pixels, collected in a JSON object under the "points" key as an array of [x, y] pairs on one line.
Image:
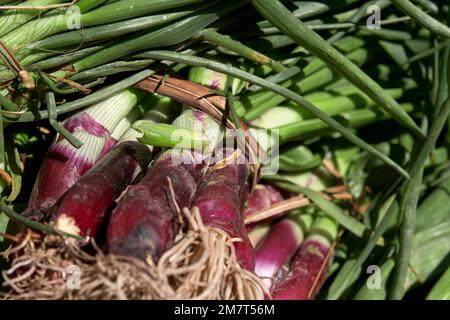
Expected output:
{"points": [[89, 198], [145, 221], [221, 199], [64, 164], [262, 197], [276, 249], [308, 271]]}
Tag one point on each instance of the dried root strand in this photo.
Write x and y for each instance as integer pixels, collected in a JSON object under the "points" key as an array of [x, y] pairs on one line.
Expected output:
{"points": [[201, 265]]}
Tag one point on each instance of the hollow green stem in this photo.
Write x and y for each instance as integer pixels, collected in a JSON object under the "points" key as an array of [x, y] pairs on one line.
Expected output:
{"points": [[170, 136], [327, 207], [409, 200], [86, 101], [14, 18], [282, 18], [241, 49], [52, 116], [353, 119], [108, 31], [245, 76], [314, 76], [7, 104], [423, 18], [61, 59], [170, 35]]}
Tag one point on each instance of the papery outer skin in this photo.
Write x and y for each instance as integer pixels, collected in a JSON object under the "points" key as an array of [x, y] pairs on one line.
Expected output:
{"points": [[304, 269], [219, 200], [89, 198], [145, 221], [277, 248]]}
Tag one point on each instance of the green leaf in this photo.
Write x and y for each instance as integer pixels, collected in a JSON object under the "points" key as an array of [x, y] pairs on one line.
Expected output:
{"points": [[409, 199], [170, 136], [431, 212], [15, 167], [422, 18], [52, 115], [329, 208], [298, 158], [214, 65], [3, 224], [347, 276], [441, 290], [396, 51], [287, 23], [430, 254]]}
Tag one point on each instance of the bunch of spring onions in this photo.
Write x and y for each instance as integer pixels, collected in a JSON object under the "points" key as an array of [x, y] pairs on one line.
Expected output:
{"points": [[310, 132]]}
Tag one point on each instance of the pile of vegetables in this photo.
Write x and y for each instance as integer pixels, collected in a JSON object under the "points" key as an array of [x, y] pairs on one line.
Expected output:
{"points": [[261, 149]]}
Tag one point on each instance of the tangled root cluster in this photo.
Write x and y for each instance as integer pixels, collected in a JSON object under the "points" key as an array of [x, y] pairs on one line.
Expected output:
{"points": [[201, 265]]}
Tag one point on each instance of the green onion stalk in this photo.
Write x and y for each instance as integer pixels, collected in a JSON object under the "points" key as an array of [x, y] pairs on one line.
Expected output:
{"points": [[441, 290], [351, 107], [280, 244], [173, 34], [111, 30], [282, 18], [353, 119], [91, 99], [333, 102], [193, 129], [312, 77], [18, 40], [307, 10], [346, 45], [71, 40], [121, 10], [430, 249], [14, 18]]}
